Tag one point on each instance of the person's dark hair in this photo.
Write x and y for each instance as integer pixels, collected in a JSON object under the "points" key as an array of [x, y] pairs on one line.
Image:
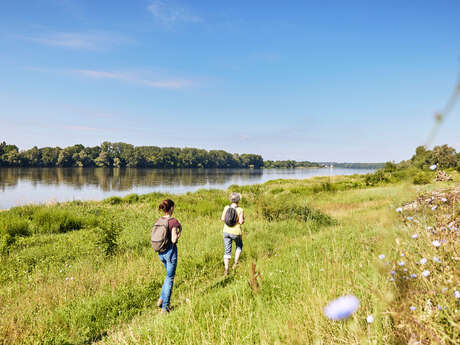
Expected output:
{"points": [[166, 205]]}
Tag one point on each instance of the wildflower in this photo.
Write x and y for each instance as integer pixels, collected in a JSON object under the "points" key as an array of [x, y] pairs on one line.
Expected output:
{"points": [[433, 167], [401, 263], [426, 273], [413, 275], [413, 308], [402, 254], [414, 236], [410, 219], [392, 279], [436, 259], [342, 307], [439, 307], [393, 273], [423, 261], [436, 243], [399, 209], [369, 319], [457, 294], [405, 270], [429, 228], [444, 200], [444, 290], [382, 256], [434, 207]]}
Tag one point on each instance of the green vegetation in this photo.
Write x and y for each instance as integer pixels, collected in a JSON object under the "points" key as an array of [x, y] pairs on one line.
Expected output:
{"points": [[125, 155], [84, 272]]}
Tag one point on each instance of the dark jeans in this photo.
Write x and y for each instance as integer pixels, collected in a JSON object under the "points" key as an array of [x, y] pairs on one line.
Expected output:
{"points": [[169, 260]]}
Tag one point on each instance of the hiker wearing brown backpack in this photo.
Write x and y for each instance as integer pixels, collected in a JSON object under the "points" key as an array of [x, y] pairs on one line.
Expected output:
{"points": [[233, 218], [165, 234]]}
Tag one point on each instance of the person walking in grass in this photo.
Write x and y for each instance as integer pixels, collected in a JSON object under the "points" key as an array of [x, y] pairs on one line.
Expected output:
{"points": [[233, 218], [165, 234]]}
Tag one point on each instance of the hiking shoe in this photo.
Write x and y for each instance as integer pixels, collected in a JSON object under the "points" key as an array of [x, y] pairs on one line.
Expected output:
{"points": [[164, 311], [159, 303], [234, 266]]}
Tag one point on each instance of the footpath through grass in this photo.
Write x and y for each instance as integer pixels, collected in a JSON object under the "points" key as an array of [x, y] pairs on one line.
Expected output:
{"points": [[84, 272]]}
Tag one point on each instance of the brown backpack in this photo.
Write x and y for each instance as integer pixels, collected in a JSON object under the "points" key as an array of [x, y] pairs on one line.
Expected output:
{"points": [[161, 237]]}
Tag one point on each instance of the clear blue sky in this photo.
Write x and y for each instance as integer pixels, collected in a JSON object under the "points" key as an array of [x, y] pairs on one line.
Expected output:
{"points": [[322, 80]]}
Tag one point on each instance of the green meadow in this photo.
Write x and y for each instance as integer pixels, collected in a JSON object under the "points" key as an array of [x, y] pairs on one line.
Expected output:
{"points": [[84, 272]]}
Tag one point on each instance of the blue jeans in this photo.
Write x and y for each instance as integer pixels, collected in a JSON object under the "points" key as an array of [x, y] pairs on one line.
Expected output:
{"points": [[228, 238], [169, 260]]}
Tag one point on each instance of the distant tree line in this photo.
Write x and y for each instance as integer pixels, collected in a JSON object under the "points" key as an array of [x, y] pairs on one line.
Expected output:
{"points": [[125, 155], [290, 164]]}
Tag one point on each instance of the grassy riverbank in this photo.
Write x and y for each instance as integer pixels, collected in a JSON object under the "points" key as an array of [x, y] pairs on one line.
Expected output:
{"points": [[84, 272]]}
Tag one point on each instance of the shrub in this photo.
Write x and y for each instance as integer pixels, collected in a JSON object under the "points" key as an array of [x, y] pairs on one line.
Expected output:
{"points": [[390, 167], [286, 211], [376, 178], [52, 221], [10, 228], [113, 200], [107, 237], [421, 178], [324, 187], [131, 198]]}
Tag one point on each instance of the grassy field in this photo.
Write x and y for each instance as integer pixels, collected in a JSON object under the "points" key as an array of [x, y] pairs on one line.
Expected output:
{"points": [[84, 272]]}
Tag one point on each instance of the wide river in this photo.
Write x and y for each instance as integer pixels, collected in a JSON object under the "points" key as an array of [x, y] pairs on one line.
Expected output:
{"points": [[19, 186]]}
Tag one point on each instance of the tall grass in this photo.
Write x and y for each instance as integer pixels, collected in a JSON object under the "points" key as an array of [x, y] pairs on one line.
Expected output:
{"points": [[311, 241]]}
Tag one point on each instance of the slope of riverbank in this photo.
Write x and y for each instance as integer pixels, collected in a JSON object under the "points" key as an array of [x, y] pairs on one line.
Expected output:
{"points": [[83, 272]]}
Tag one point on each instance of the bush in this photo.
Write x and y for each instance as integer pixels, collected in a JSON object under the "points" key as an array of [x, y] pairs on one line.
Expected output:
{"points": [[107, 237], [10, 228], [280, 210], [421, 178], [377, 178], [324, 187], [131, 198], [52, 221], [113, 200]]}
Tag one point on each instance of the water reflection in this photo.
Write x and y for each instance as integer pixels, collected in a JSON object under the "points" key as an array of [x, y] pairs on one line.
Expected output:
{"points": [[20, 186], [122, 179]]}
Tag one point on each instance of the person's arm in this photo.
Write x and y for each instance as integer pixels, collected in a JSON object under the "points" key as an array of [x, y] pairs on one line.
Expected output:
{"points": [[241, 218], [223, 214], [175, 234]]}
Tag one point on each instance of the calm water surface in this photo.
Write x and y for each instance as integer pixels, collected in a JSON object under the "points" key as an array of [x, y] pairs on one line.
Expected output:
{"points": [[19, 186]]}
